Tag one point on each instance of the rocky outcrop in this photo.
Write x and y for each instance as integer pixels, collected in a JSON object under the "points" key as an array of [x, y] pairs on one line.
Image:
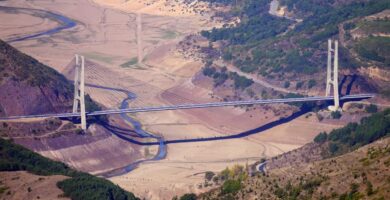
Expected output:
{"points": [[30, 87]]}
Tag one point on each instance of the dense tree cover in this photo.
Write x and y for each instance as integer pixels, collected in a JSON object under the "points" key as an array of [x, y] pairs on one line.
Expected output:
{"points": [[15, 157], [90, 187], [257, 45], [355, 135], [81, 185], [256, 28]]}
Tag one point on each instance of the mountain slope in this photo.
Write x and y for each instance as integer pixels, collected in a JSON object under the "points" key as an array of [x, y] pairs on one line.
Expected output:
{"points": [[326, 169], [80, 185], [29, 87], [362, 174], [292, 47]]}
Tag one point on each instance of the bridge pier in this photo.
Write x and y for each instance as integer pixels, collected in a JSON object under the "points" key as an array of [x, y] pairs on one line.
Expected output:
{"points": [[139, 38], [332, 78], [79, 94]]}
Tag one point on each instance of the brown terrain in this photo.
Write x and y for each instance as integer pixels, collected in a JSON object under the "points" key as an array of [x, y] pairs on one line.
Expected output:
{"points": [[24, 185], [29, 87], [363, 173], [105, 35]]}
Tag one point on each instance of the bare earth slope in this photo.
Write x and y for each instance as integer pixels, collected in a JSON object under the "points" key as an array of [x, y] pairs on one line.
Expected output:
{"points": [[361, 174], [29, 87], [24, 185]]}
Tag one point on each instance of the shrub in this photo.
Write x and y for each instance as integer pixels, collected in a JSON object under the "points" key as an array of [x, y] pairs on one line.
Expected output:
{"points": [[336, 114], [209, 175], [311, 83], [190, 196], [231, 186], [371, 108], [286, 84], [321, 138]]}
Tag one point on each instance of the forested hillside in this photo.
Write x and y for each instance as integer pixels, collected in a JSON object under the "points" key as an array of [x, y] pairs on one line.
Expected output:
{"points": [[293, 47], [80, 185]]}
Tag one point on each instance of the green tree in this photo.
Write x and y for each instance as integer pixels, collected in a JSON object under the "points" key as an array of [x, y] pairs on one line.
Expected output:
{"points": [[286, 84], [371, 108], [191, 196], [336, 114], [311, 83], [231, 186], [209, 175], [321, 138]]}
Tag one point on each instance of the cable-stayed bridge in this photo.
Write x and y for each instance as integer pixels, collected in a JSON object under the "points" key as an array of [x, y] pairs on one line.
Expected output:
{"points": [[79, 101]]}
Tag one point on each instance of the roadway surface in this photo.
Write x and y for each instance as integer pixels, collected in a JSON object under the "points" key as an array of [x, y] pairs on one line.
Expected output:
{"points": [[195, 106]]}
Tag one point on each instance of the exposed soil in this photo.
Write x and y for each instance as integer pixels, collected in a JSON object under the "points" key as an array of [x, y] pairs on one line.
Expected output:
{"points": [[24, 185]]}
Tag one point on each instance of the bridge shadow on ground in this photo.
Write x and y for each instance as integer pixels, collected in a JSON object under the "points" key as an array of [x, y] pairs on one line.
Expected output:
{"points": [[130, 135], [270, 125]]}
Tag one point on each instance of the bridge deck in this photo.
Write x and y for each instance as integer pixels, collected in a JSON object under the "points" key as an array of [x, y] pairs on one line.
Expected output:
{"points": [[194, 106]]}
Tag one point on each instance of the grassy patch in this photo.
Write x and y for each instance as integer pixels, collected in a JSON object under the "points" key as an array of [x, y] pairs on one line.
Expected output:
{"points": [[375, 49], [130, 63], [99, 57], [376, 26], [169, 34]]}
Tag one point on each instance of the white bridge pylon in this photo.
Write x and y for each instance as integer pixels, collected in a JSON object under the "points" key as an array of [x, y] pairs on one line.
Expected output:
{"points": [[332, 78], [79, 94]]}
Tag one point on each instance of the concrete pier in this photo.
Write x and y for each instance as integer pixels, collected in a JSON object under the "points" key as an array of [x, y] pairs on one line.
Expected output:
{"points": [[333, 78], [79, 90]]}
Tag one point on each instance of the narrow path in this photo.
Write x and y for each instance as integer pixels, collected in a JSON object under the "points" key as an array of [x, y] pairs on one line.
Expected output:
{"points": [[254, 77]]}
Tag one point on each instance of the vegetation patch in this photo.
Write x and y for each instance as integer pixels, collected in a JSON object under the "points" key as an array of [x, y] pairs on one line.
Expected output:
{"points": [[81, 185], [100, 57], [269, 46], [130, 63], [221, 75], [169, 34], [355, 135], [374, 49]]}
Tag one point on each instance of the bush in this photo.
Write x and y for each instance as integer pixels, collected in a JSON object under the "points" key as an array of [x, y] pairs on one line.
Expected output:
{"points": [[311, 83], [188, 197], [231, 186], [371, 108], [336, 114], [321, 138], [286, 84], [209, 175], [299, 85]]}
